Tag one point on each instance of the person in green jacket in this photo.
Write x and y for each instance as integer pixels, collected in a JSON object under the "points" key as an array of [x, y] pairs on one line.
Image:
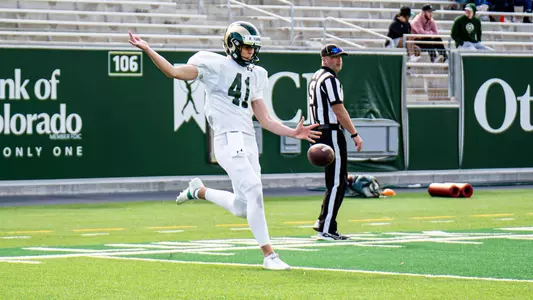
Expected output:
{"points": [[466, 30]]}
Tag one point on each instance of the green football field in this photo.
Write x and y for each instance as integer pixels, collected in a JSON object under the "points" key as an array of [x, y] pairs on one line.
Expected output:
{"points": [[404, 247]]}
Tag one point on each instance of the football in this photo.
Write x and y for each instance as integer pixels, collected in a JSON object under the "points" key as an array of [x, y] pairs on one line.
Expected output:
{"points": [[320, 155]]}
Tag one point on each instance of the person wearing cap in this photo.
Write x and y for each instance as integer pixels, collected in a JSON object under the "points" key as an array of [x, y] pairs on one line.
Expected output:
{"points": [[400, 26], [423, 23], [326, 108], [466, 30]]}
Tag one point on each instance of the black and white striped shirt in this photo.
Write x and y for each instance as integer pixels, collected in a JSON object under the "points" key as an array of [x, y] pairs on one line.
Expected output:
{"points": [[325, 90]]}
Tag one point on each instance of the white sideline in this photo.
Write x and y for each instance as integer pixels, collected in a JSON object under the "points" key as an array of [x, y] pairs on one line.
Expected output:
{"points": [[325, 269]]}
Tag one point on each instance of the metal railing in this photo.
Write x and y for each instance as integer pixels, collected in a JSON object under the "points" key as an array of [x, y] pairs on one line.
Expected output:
{"points": [[447, 40], [200, 7], [291, 20], [413, 39], [359, 28]]}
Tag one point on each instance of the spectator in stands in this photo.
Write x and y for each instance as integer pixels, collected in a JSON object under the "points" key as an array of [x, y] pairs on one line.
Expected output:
{"points": [[482, 5], [527, 7], [500, 6], [423, 23], [466, 30], [397, 29]]}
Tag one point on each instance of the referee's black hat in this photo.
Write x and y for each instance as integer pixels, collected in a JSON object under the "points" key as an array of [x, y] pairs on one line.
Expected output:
{"points": [[332, 50]]}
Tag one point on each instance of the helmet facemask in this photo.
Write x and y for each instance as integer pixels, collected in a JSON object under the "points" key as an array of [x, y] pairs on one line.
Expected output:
{"points": [[239, 34]]}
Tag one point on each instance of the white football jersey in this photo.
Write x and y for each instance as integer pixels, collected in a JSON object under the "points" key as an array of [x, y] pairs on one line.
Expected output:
{"points": [[230, 89]]}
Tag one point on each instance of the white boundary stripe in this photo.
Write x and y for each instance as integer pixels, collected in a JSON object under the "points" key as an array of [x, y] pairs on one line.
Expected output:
{"points": [[192, 244], [16, 237], [76, 250], [170, 231], [31, 262], [377, 224], [375, 243], [95, 234], [169, 251], [324, 269]]}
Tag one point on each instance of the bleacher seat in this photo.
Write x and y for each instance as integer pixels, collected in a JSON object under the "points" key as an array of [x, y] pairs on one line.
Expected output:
{"points": [[299, 24]]}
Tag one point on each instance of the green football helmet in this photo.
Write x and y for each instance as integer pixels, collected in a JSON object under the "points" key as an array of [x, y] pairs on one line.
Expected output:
{"points": [[238, 34]]}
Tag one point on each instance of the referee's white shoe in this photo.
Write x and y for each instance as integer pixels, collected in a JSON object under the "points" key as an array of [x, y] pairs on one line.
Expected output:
{"points": [[273, 262], [188, 193]]}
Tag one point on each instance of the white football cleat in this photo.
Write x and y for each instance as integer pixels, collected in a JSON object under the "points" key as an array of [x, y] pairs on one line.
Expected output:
{"points": [[273, 262], [188, 193]]}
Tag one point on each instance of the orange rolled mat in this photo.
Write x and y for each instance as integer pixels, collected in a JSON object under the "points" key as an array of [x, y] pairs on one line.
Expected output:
{"points": [[444, 190], [466, 189]]}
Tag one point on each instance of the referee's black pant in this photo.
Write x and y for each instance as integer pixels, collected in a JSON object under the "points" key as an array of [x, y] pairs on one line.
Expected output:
{"points": [[336, 179]]}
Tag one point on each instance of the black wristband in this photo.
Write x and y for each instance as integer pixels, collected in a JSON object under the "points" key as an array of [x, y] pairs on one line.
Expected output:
{"points": [[354, 135]]}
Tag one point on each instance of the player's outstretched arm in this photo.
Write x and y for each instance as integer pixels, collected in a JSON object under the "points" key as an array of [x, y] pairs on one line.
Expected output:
{"points": [[301, 132], [186, 72]]}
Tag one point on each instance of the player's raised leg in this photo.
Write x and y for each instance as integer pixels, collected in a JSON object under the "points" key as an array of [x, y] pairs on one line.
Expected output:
{"points": [[224, 199]]}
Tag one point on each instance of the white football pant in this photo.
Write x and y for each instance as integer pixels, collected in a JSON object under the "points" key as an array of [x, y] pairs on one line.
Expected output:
{"points": [[237, 153]]}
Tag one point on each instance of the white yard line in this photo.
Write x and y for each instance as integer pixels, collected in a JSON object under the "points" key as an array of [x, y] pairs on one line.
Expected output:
{"points": [[147, 252], [377, 224], [324, 269], [31, 262], [171, 231], [95, 234], [516, 228], [192, 244], [142, 246], [16, 237], [76, 250]]}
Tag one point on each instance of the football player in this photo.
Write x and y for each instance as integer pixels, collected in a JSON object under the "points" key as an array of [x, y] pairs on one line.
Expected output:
{"points": [[234, 87]]}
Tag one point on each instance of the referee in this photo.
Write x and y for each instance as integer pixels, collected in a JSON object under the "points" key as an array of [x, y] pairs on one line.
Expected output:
{"points": [[326, 108]]}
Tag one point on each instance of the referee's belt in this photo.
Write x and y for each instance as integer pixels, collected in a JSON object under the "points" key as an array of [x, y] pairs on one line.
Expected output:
{"points": [[329, 127]]}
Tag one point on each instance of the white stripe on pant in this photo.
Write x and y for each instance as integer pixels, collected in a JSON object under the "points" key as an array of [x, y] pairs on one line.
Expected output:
{"points": [[333, 194]]}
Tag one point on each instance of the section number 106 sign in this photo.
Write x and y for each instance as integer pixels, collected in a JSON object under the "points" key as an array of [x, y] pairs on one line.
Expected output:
{"points": [[125, 63]]}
